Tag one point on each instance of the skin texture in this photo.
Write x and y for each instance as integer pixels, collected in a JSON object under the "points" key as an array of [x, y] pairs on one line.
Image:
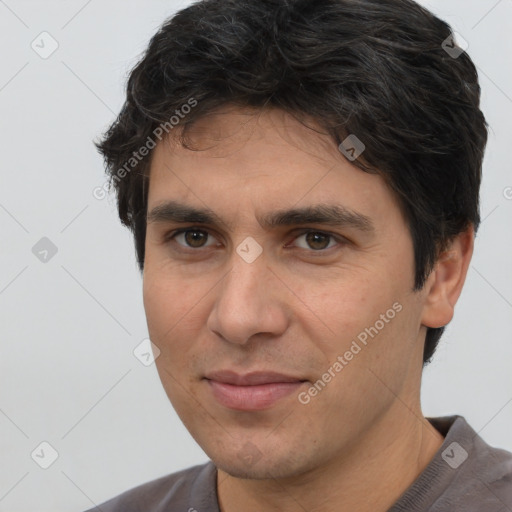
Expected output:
{"points": [[362, 440]]}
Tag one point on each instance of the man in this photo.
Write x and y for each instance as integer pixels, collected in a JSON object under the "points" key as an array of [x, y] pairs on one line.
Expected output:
{"points": [[302, 181]]}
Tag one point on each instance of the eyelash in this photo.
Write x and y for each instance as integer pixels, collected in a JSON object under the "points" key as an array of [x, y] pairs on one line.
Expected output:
{"points": [[340, 240]]}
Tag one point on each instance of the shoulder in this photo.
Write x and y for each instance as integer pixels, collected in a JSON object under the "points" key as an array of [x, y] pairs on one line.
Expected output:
{"points": [[486, 476], [190, 489], [465, 475]]}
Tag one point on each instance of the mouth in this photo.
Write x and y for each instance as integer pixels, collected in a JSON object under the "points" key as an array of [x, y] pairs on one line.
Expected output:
{"points": [[253, 391]]}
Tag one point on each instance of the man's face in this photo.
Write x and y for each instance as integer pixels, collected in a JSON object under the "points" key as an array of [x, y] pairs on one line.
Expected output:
{"points": [[318, 293]]}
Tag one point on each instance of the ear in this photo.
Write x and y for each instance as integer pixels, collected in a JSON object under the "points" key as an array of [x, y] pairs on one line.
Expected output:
{"points": [[444, 285]]}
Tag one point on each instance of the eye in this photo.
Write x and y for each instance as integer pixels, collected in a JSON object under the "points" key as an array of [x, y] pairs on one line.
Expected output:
{"points": [[195, 238], [317, 240], [192, 238]]}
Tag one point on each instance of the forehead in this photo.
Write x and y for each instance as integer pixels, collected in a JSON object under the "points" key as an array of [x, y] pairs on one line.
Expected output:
{"points": [[253, 162]]}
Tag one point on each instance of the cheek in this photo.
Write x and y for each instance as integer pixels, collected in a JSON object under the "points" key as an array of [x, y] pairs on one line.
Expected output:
{"points": [[346, 307], [364, 317], [169, 307], [172, 325]]}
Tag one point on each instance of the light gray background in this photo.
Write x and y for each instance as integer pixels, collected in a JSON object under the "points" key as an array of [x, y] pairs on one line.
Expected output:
{"points": [[69, 326]]}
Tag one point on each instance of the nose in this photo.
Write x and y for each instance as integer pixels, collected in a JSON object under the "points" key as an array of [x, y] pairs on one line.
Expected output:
{"points": [[249, 302]]}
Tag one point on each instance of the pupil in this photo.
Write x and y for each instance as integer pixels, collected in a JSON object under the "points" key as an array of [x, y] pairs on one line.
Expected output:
{"points": [[192, 237], [313, 238]]}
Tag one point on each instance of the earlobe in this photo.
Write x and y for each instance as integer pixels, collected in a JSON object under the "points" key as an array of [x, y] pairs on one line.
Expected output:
{"points": [[444, 285]]}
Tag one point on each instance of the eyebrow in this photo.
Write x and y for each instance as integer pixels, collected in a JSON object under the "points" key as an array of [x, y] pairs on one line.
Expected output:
{"points": [[332, 215]]}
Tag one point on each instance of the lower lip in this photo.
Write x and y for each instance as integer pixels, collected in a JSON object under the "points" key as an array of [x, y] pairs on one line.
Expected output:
{"points": [[252, 398]]}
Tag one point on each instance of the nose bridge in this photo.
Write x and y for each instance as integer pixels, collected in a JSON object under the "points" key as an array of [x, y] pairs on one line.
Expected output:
{"points": [[248, 269], [243, 284]]}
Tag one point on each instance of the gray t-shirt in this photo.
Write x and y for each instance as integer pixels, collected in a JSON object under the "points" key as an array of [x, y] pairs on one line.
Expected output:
{"points": [[465, 475]]}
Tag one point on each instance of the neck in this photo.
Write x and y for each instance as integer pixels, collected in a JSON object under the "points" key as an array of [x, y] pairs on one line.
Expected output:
{"points": [[370, 476]]}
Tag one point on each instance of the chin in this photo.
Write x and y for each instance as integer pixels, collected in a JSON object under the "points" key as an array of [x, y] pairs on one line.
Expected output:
{"points": [[248, 463], [257, 471]]}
